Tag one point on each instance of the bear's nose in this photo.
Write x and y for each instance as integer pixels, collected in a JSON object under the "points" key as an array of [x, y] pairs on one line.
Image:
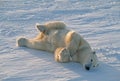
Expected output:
{"points": [[87, 67]]}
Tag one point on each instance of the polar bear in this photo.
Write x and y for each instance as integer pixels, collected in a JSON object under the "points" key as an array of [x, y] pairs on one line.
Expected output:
{"points": [[67, 45]]}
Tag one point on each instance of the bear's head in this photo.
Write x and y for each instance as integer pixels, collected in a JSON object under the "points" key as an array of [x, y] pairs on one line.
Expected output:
{"points": [[91, 61]]}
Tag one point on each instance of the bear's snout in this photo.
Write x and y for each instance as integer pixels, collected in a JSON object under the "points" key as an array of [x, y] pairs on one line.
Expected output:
{"points": [[87, 67]]}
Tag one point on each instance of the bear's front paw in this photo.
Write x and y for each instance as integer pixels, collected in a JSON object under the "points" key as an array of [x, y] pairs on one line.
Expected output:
{"points": [[21, 42], [62, 55]]}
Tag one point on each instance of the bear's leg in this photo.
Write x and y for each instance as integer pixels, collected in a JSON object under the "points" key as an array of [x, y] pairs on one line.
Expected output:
{"points": [[72, 42], [35, 44], [62, 55]]}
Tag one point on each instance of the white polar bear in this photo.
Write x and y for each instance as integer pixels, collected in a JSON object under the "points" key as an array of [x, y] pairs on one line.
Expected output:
{"points": [[67, 45]]}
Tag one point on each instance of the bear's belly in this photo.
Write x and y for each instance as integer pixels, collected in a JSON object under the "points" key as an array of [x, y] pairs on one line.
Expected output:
{"points": [[57, 38]]}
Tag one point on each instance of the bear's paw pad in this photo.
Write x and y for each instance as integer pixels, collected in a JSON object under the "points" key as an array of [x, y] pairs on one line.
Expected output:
{"points": [[21, 42]]}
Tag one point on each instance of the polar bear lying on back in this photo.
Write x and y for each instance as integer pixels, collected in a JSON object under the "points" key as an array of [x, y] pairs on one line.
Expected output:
{"points": [[67, 45]]}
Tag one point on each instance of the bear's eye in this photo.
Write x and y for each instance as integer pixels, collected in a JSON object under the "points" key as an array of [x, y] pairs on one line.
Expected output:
{"points": [[91, 60]]}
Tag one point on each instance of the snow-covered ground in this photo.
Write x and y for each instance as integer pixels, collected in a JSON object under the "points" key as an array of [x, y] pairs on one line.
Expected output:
{"points": [[98, 21]]}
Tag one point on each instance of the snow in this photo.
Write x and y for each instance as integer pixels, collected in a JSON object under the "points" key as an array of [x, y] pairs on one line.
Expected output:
{"points": [[98, 21]]}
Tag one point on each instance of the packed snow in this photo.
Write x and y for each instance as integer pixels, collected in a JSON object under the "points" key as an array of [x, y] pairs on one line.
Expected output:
{"points": [[98, 21]]}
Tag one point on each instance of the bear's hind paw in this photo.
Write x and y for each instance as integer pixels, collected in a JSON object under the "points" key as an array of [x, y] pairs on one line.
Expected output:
{"points": [[21, 42]]}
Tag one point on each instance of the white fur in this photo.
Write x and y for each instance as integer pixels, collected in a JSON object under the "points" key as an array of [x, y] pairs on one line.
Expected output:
{"points": [[66, 44]]}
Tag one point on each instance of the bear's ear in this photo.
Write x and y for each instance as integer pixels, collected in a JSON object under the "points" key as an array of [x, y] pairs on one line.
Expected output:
{"points": [[40, 27]]}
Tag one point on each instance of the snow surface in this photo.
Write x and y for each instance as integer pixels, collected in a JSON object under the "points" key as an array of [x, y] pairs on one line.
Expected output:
{"points": [[98, 21]]}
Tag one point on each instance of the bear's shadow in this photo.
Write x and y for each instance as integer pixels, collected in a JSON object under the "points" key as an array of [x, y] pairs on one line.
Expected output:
{"points": [[101, 72]]}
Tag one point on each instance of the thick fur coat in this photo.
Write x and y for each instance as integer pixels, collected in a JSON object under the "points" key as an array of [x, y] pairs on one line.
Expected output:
{"points": [[67, 45]]}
